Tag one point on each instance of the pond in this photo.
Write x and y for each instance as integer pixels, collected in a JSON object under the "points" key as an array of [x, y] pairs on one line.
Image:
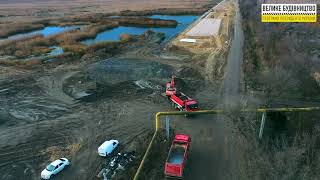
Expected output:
{"points": [[47, 31], [56, 50], [114, 34]]}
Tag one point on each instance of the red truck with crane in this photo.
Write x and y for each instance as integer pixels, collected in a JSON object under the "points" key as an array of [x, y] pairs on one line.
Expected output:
{"points": [[178, 156], [180, 100]]}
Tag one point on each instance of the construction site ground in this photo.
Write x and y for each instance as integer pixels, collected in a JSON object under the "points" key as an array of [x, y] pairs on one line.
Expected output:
{"points": [[43, 115]]}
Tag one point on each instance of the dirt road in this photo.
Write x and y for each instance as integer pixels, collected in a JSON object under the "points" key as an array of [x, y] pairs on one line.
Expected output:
{"points": [[213, 153], [233, 72], [209, 153]]}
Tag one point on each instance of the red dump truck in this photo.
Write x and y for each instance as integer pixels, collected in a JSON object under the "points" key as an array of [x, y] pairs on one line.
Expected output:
{"points": [[178, 99], [170, 88], [178, 156]]}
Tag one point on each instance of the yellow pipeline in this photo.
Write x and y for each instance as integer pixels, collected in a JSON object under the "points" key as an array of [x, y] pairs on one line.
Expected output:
{"points": [[214, 111], [304, 109], [145, 156]]}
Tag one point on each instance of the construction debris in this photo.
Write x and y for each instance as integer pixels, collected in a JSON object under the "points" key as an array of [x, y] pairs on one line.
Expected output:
{"points": [[119, 162]]}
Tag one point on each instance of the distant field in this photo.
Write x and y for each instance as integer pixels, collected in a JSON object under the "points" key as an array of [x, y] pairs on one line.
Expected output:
{"points": [[22, 10], [292, 1]]}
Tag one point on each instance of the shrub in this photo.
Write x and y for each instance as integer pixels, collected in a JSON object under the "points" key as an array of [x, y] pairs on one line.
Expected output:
{"points": [[126, 38], [15, 28], [107, 44], [75, 48], [32, 62]]}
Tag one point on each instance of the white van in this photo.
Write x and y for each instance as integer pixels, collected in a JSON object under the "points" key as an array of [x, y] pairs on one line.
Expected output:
{"points": [[107, 147]]}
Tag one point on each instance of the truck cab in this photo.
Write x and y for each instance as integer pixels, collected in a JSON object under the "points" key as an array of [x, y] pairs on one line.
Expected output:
{"points": [[191, 105], [177, 157]]}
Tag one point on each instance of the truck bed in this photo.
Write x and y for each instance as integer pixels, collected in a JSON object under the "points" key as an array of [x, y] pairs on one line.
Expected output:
{"points": [[182, 96], [176, 155]]}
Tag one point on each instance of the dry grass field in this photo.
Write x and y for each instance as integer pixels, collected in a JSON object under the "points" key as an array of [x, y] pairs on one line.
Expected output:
{"points": [[27, 10]]}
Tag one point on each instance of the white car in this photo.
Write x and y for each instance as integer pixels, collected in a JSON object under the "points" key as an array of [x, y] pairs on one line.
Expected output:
{"points": [[107, 147], [54, 168]]}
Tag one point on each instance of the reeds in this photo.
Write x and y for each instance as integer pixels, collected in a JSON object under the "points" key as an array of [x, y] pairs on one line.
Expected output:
{"points": [[15, 28]]}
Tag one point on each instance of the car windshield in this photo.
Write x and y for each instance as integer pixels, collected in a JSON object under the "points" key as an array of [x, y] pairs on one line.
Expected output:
{"points": [[50, 167], [193, 106]]}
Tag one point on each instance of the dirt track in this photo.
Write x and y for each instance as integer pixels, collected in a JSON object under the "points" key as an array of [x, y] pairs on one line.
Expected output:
{"points": [[213, 153], [233, 73]]}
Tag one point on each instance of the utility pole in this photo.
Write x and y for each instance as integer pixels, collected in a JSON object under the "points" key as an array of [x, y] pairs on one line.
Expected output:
{"points": [[168, 127], [263, 120]]}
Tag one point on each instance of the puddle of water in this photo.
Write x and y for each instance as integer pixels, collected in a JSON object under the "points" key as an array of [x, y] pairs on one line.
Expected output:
{"points": [[114, 16], [181, 19], [114, 34], [47, 31], [56, 51]]}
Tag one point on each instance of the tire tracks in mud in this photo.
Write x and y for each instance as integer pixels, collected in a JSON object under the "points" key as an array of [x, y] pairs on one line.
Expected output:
{"points": [[34, 151], [53, 85], [145, 52], [119, 121], [34, 124], [23, 149]]}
